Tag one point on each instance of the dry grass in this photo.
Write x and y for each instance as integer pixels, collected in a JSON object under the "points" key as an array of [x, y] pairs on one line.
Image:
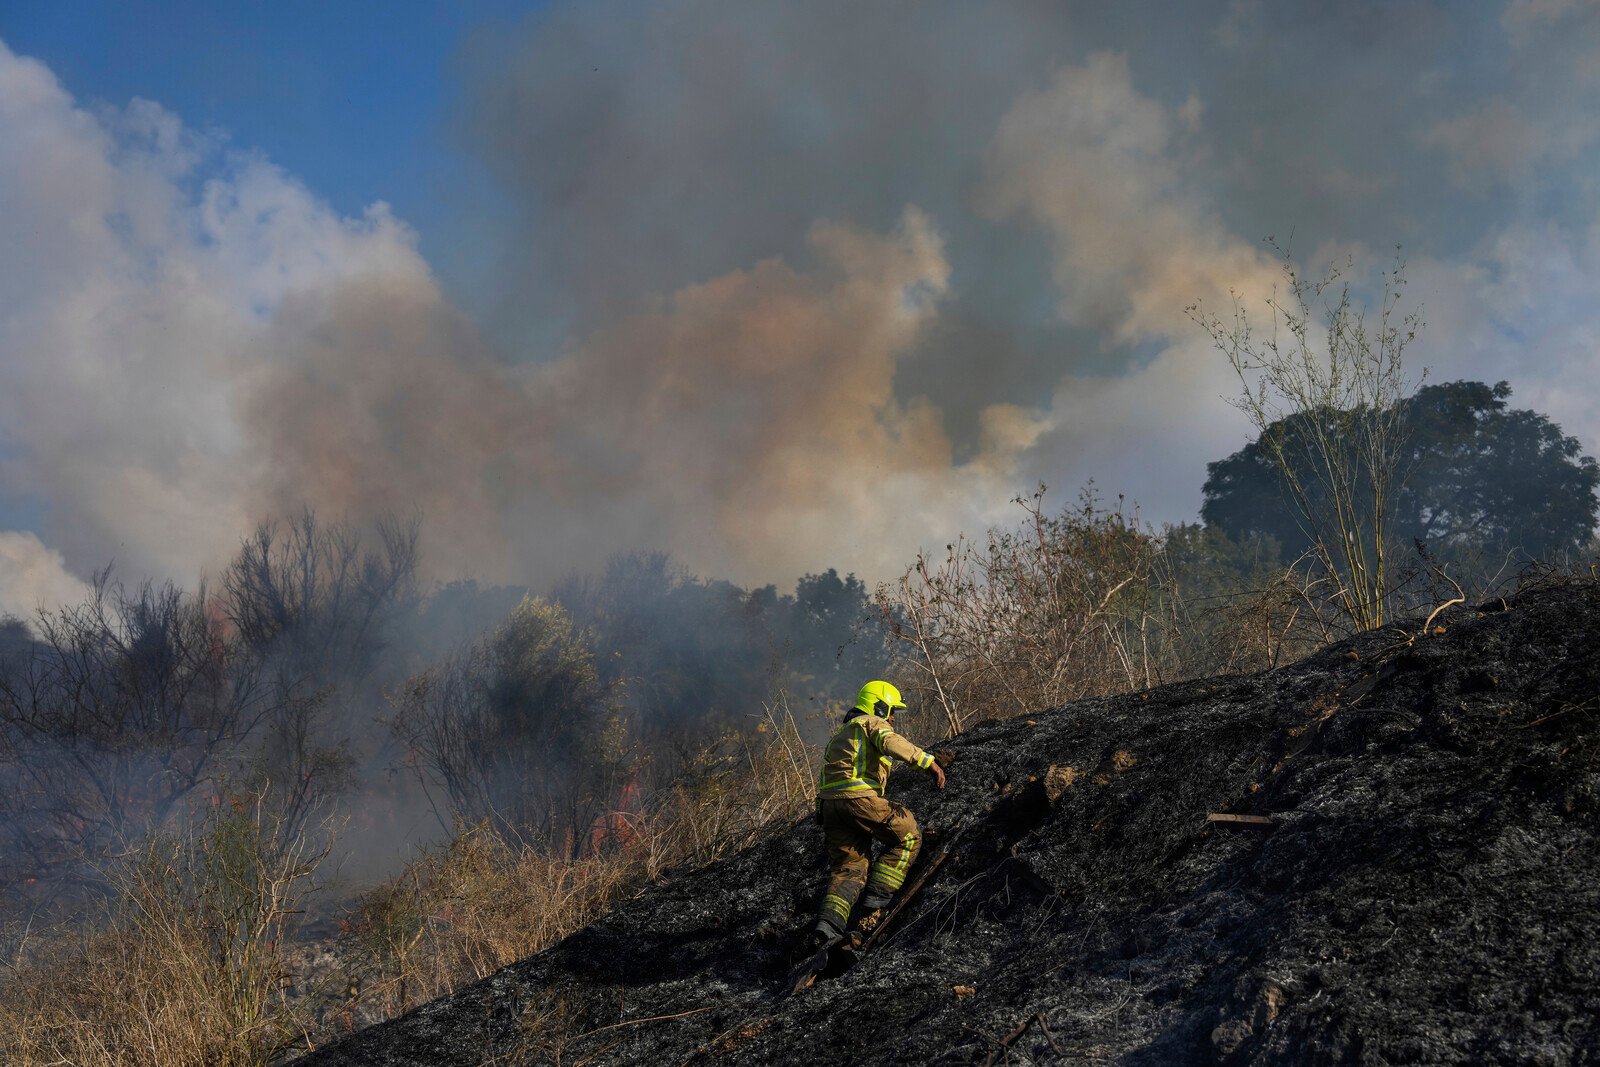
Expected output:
{"points": [[189, 963], [467, 910], [1091, 602], [185, 967], [484, 901], [1085, 603]]}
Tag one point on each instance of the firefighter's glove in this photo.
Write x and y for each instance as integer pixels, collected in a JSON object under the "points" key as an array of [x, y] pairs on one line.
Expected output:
{"points": [[938, 776]]}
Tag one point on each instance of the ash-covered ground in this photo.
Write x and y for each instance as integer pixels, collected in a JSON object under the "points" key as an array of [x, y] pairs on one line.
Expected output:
{"points": [[1429, 891]]}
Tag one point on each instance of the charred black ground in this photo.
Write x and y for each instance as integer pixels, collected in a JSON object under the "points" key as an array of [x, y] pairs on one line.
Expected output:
{"points": [[1429, 892]]}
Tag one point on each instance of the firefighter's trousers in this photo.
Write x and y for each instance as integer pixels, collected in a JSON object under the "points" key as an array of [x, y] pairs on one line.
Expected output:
{"points": [[850, 825]]}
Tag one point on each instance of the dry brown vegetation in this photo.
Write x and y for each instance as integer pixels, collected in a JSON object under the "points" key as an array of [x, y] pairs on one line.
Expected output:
{"points": [[485, 900], [195, 958], [186, 966], [193, 962], [1086, 603]]}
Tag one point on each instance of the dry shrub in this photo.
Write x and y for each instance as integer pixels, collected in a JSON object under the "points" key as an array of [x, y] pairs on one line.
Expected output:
{"points": [[728, 797], [1327, 391], [187, 965], [465, 911], [1060, 608], [1085, 603], [483, 901]]}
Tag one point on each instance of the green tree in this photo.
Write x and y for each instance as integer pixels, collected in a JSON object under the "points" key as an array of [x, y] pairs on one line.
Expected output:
{"points": [[1492, 480], [1484, 482], [829, 634]]}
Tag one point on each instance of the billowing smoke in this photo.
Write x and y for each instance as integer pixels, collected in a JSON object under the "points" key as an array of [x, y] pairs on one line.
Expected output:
{"points": [[216, 345], [32, 575], [780, 287], [145, 270]]}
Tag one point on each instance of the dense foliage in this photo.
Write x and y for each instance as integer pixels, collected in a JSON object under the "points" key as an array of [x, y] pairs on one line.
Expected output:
{"points": [[1482, 482]]}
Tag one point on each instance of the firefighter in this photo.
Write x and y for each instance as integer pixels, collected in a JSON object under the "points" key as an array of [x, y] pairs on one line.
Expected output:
{"points": [[855, 813]]}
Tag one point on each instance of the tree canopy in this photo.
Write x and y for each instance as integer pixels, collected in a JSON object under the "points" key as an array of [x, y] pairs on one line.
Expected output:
{"points": [[1479, 479]]}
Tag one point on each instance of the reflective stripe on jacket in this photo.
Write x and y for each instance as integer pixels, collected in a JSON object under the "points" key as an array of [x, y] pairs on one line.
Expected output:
{"points": [[858, 757]]}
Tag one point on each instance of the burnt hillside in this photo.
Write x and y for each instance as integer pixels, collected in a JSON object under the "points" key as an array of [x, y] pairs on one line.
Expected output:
{"points": [[1429, 890]]}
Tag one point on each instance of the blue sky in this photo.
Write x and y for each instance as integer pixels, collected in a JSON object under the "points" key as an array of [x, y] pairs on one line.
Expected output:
{"points": [[354, 97], [712, 276]]}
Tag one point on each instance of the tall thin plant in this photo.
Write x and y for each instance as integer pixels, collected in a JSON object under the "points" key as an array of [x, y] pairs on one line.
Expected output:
{"points": [[1326, 388]]}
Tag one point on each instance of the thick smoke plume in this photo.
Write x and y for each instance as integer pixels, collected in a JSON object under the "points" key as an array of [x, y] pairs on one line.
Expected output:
{"points": [[779, 288]]}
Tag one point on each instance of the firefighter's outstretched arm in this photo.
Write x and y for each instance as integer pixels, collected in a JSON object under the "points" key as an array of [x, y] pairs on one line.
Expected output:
{"points": [[893, 745]]}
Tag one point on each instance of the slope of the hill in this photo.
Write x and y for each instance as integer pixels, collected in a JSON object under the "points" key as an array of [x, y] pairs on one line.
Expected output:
{"points": [[1429, 892]]}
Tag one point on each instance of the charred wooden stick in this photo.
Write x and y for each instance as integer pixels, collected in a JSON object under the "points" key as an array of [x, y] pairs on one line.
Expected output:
{"points": [[915, 887], [905, 898], [1048, 1036], [1005, 1042], [1264, 821]]}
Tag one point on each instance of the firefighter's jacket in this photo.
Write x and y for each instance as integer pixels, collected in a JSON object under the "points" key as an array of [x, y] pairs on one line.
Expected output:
{"points": [[860, 754]]}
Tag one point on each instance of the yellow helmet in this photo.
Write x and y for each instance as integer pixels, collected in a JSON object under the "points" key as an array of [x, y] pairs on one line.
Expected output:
{"points": [[880, 699]]}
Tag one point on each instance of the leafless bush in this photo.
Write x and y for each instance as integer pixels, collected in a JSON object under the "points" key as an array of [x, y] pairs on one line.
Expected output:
{"points": [[1080, 604], [187, 966], [1329, 404], [1060, 608], [517, 731], [312, 602], [126, 705], [316, 593]]}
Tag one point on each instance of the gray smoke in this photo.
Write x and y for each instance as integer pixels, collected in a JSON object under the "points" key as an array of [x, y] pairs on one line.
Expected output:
{"points": [[777, 287]]}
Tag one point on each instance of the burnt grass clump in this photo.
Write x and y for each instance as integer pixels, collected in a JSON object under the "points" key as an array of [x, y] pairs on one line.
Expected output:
{"points": [[1428, 890]]}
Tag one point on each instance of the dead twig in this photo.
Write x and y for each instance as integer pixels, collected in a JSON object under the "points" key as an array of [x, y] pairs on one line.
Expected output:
{"points": [[1005, 1042], [1557, 714], [713, 1043], [640, 1022], [1435, 613], [1048, 1036]]}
